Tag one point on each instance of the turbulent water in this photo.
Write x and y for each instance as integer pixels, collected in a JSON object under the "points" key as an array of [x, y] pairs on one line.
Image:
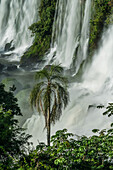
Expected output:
{"points": [[96, 88], [70, 41], [15, 18], [69, 46]]}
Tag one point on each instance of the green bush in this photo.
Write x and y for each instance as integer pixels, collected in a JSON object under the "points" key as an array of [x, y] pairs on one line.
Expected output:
{"points": [[95, 152]]}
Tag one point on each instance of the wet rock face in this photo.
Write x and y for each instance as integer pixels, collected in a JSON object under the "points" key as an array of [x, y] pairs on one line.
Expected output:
{"points": [[8, 67], [9, 47], [11, 67], [1, 67], [31, 64]]}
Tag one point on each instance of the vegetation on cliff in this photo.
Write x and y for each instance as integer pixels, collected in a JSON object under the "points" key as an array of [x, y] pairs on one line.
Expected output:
{"points": [[102, 16], [42, 31]]}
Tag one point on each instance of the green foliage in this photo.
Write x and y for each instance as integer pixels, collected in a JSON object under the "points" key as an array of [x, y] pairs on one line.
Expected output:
{"points": [[13, 140], [8, 101], [102, 10], [89, 153], [109, 110], [68, 151], [79, 153], [42, 31]]}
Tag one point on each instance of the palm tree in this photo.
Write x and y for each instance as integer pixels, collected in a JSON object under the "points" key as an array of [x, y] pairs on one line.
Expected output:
{"points": [[50, 95]]}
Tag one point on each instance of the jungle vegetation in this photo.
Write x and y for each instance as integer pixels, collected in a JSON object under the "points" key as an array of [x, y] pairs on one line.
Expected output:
{"points": [[67, 150], [13, 140]]}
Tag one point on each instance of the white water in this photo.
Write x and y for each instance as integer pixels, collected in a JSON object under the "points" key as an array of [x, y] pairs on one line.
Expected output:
{"points": [[67, 31], [96, 87], [82, 115], [70, 31], [15, 18], [84, 40]]}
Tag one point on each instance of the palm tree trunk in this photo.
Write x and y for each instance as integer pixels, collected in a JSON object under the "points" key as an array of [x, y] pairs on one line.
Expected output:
{"points": [[48, 130], [48, 117]]}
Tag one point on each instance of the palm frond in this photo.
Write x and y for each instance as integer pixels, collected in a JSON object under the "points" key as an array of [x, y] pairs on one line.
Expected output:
{"points": [[56, 69], [43, 74], [61, 79], [54, 110], [61, 99], [34, 93], [39, 104], [64, 94]]}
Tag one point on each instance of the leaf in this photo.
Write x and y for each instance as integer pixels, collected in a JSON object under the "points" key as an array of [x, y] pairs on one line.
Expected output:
{"points": [[110, 114], [100, 106], [110, 130], [95, 130], [100, 167], [105, 113], [111, 124]]}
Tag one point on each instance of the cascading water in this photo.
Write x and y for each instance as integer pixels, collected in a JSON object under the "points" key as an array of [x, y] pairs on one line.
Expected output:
{"points": [[70, 32], [67, 32], [69, 46], [70, 37], [84, 38], [15, 19]]}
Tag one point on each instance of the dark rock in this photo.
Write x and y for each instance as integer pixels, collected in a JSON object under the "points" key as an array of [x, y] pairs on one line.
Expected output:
{"points": [[31, 63], [5, 55], [8, 47], [12, 48], [11, 67], [1, 67]]}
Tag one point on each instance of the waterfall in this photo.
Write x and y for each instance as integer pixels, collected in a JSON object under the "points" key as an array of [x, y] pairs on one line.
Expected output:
{"points": [[96, 88], [15, 19], [65, 36], [84, 39], [70, 40], [69, 45], [70, 32]]}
